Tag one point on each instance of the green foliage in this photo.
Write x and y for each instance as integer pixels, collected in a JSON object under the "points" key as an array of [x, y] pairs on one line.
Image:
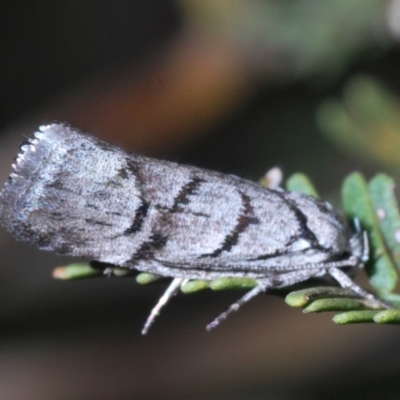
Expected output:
{"points": [[307, 37]]}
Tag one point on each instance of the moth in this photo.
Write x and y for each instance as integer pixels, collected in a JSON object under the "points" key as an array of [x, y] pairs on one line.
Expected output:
{"points": [[76, 195]]}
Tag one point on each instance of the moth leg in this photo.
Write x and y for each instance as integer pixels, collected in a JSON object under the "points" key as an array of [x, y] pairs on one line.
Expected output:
{"points": [[168, 294], [347, 282], [273, 282]]}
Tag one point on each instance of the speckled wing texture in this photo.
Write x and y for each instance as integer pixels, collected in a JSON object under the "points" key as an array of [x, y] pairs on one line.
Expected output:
{"points": [[76, 195]]}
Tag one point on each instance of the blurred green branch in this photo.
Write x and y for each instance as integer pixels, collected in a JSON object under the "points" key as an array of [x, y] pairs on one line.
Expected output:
{"points": [[300, 38], [365, 122]]}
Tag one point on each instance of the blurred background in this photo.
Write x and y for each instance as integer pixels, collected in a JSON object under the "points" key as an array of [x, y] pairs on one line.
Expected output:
{"points": [[236, 86]]}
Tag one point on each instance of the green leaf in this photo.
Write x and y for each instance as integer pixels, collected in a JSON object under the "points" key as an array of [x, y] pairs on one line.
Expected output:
{"points": [[357, 204], [355, 317], [387, 317], [302, 184], [381, 188], [301, 298], [195, 286], [233, 283], [145, 278], [338, 304], [76, 271], [121, 272]]}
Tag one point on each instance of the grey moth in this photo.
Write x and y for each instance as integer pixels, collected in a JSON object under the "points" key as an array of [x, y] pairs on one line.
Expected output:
{"points": [[76, 195]]}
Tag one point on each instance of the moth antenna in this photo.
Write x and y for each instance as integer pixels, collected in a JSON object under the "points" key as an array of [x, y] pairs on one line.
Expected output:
{"points": [[168, 294]]}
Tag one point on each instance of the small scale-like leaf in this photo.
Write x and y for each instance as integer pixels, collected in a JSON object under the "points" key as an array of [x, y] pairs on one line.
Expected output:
{"points": [[355, 317], [301, 183], [338, 304], [76, 271], [121, 272], [195, 286], [357, 204], [145, 278], [232, 283], [301, 298], [388, 317]]}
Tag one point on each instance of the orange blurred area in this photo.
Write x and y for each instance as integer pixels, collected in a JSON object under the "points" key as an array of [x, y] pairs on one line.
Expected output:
{"points": [[168, 101]]}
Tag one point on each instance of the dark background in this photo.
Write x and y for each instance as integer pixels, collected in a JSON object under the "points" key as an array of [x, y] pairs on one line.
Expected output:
{"points": [[200, 83]]}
